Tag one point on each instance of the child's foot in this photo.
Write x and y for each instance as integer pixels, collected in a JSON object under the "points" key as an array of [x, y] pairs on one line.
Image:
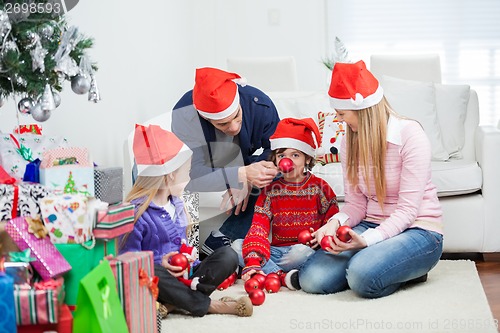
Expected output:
{"points": [[292, 280]]}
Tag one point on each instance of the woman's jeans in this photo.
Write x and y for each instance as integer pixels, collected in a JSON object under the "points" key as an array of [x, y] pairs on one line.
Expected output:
{"points": [[283, 258], [377, 270]]}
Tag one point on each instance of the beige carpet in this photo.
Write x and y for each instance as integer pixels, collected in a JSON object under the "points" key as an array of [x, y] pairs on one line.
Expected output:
{"points": [[452, 300]]}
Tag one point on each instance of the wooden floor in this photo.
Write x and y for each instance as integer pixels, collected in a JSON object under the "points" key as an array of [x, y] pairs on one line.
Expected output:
{"points": [[488, 267]]}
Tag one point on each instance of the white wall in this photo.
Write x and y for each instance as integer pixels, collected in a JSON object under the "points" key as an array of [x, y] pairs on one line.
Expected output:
{"points": [[147, 53]]}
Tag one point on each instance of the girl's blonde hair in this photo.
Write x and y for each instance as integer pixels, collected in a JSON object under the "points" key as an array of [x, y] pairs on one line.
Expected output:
{"points": [[366, 148]]}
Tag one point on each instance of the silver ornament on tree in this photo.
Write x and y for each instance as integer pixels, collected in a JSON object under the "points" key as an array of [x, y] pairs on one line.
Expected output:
{"points": [[57, 99], [38, 114], [94, 95], [80, 84], [46, 31], [47, 100], [25, 105]]}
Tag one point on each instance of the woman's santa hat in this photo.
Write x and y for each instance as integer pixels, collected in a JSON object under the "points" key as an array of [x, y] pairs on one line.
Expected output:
{"points": [[353, 87], [158, 152], [215, 93], [302, 134]]}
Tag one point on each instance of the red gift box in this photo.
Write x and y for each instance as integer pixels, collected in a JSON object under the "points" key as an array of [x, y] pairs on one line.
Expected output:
{"points": [[137, 289], [65, 324]]}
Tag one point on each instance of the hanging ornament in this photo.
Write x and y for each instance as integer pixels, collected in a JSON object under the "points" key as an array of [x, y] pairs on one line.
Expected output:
{"points": [[2, 101], [24, 106], [31, 39], [38, 114], [80, 84], [20, 81], [38, 56], [47, 31], [57, 99], [94, 95], [47, 100], [5, 26], [64, 63]]}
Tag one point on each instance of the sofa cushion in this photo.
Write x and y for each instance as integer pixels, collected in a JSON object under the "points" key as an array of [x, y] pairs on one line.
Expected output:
{"points": [[332, 132], [416, 100], [456, 177], [451, 106]]}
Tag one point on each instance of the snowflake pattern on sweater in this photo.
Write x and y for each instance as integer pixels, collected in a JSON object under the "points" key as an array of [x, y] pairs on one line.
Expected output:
{"points": [[282, 210]]}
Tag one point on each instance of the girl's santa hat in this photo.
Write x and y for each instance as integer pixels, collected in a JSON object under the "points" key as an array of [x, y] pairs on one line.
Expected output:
{"points": [[158, 152], [302, 134], [353, 87], [215, 94]]}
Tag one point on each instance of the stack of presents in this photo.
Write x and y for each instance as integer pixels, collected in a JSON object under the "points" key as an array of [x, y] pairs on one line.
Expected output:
{"points": [[61, 219]]}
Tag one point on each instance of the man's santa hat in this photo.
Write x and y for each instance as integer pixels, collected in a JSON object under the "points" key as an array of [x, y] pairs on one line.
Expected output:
{"points": [[158, 152], [215, 93], [302, 134], [353, 87]]}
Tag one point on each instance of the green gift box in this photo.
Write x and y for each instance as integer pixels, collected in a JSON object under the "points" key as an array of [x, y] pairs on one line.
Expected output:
{"points": [[83, 258]]}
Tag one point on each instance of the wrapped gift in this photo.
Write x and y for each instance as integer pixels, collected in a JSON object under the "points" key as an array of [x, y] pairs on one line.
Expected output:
{"points": [[31, 128], [26, 233], [17, 150], [68, 170], [6, 243], [137, 289], [108, 184], [66, 218], [83, 258], [39, 304], [8, 316], [24, 196], [21, 272], [65, 324], [116, 220]]}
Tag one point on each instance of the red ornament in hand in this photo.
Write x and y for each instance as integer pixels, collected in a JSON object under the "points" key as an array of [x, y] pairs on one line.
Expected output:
{"points": [[179, 260], [257, 296], [304, 237], [272, 285], [285, 165], [343, 233], [325, 242]]}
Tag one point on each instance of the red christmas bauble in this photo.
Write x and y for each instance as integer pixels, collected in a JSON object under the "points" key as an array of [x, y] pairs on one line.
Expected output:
{"points": [[343, 233], [272, 276], [257, 296], [261, 278], [285, 165], [304, 237], [272, 285], [251, 285], [325, 242], [179, 260]]}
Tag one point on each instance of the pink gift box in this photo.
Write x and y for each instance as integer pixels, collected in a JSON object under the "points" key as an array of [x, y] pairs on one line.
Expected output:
{"points": [[49, 262]]}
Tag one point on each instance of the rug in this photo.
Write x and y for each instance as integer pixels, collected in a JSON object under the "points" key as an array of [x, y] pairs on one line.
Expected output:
{"points": [[452, 300]]}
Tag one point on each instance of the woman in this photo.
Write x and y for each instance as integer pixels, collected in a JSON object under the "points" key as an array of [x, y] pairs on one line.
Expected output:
{"points": [[390, 201]]}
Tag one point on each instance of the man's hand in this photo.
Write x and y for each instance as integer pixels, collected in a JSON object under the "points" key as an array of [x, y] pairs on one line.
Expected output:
{"points": [[235, 197], [258, 174]]}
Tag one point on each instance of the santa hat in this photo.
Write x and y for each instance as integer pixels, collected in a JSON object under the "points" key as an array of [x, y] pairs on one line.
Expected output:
{"points": [[215, 94], [158, 152], [302, 134], [353, 87]]}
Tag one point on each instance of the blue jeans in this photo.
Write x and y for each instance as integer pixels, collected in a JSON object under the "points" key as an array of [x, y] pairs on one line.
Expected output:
{"points": [[377, 270], [284, 258]]}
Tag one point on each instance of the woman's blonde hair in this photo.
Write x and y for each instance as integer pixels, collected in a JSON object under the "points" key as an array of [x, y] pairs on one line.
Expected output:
{"points": [[366, 148]]}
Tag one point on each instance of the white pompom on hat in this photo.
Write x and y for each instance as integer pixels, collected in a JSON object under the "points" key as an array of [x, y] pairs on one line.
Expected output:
{"points": [[302, 134], [215, 93], [353, 87], [158, 152]]}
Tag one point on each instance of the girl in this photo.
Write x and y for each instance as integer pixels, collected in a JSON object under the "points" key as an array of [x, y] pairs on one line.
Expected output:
{"points": [[298, 200], [163, 163], [390, 201]]}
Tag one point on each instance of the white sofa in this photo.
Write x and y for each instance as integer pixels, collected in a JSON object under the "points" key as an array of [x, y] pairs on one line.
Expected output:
{"points": [[468, 182]]}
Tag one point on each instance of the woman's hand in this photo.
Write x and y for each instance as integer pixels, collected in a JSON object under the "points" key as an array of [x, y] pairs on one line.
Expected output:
{"points": [[337, 246], [174, 270], [330, 228]]}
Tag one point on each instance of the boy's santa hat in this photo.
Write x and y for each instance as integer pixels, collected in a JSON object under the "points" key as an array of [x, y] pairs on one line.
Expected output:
{"points": [[158, 152], [215, 94], [353, 87], [302, 134]]}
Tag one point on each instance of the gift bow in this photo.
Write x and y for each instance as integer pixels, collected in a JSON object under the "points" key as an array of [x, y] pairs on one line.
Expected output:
{"points": [[22, 256], [24, 151], [49, 284], [36, 227], [150, 282]]}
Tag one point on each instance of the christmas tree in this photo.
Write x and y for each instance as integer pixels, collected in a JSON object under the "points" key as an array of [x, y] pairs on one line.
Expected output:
{"points": [[39, 51], [69, 188]]}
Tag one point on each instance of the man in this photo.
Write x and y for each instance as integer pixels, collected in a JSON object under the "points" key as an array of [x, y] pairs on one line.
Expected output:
{"points": [[225, 123]]}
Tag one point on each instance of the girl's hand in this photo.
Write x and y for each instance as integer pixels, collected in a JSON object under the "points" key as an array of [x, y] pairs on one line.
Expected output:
{"points": [[338, 246], [174, 270], [330, 228], [248, 274]]}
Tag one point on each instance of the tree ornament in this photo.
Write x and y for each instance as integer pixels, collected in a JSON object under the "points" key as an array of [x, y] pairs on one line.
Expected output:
{"points": [[285, 165], [57, 99], [326, 241], [2, 101], [38, 114], [340, 55], [343, 233], [304, 237], [30, 39], [5, 26], [257, 297], [80, 84], [47, 31], [94, 95], [179, 260], [38, 56], [47, 100], [24, 106]]}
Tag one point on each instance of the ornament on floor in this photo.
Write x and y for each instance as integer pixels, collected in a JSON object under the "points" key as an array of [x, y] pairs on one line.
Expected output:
{"points": [[39, 114], [24, 106]]}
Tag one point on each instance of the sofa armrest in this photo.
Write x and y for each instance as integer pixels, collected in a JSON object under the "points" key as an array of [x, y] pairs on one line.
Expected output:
{"points": [[488, 157]]}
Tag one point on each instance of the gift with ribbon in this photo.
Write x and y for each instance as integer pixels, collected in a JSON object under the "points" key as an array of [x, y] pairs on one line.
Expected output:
{"points": [[68, 171], [31, 128], [49, 262], [98, 308], [39, 304], [19, 267], [137, 289], [114, 220]]}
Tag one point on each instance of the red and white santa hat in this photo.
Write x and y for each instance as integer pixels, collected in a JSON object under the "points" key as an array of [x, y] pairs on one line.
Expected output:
{"points": [[302, 134], [353, 87], [215, 94], [158, 152]]}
